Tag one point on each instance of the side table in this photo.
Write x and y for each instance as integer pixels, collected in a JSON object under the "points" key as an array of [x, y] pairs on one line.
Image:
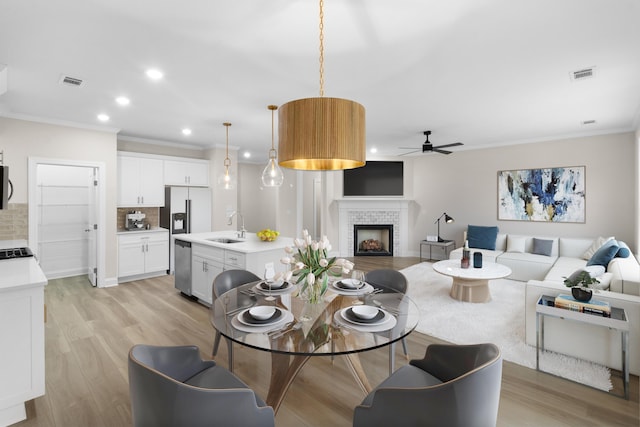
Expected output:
{"points": [[618, 321], [440, 250]]}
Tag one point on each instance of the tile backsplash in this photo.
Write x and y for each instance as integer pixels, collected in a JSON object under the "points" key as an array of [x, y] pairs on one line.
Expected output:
{"points": [[14, 222], [152, 216]]}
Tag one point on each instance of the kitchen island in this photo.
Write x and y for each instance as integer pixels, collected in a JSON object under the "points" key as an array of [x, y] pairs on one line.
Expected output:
{"points": [[22, 285], [211, 253]]}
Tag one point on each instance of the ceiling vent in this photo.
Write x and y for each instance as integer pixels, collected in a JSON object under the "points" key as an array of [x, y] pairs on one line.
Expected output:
{"points": [[589, 122], [71, 81], [585, 73]]}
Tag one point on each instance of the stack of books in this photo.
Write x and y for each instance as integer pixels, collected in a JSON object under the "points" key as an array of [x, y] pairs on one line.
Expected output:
{"points": [[600, 308]]}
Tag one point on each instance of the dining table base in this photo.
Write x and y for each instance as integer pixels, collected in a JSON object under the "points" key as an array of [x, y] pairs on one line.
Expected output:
{"points": [[285, 368]]}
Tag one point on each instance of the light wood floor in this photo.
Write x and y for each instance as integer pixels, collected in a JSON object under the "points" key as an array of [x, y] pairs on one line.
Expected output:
{"points": [[89, 332]]}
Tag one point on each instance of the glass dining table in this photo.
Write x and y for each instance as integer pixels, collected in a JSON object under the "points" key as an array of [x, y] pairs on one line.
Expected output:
{"points": [[299, 330]]}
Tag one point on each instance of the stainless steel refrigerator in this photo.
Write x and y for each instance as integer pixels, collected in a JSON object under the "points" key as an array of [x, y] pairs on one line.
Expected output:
{"points": [[186, 210]]}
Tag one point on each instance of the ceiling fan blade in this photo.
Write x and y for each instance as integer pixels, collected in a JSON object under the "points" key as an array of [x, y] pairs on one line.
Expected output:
{"points": [[437, 150], [408, 148], [408, 152], [455, 144]]}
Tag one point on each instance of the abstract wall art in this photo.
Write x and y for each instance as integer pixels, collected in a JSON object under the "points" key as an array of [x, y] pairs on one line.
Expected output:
{"points": [[544, 195]]}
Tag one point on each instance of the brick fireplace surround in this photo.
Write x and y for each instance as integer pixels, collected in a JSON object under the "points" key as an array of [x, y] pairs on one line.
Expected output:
{"points": [[371, 212]]}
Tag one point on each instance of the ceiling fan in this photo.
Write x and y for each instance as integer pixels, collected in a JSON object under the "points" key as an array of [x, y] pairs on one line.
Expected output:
{"points": [[427, 147]]}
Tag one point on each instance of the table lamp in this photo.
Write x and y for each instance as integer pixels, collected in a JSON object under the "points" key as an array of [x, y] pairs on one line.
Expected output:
{"points": [[447, 219]]}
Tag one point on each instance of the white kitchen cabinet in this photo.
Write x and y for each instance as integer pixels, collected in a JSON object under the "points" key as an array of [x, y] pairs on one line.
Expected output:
{"points": [[193, 173], [142, 254], [140, 181], [22, 371], [206, 263], [234, 260]]}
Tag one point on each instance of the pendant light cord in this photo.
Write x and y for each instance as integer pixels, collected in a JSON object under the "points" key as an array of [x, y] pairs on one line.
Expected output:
{"points": [[272, 152], [321, 48], [227, 160]]}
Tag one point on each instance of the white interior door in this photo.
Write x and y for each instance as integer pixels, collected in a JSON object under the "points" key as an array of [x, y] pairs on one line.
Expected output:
{"points": [[64, 217], [91, 230]]}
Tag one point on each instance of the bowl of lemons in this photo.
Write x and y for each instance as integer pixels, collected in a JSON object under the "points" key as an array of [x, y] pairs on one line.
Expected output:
{"points": [[267, 235]]}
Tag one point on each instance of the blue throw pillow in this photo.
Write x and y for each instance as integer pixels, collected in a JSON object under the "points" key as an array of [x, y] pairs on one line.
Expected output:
{"points": [[542, 247], [481, 237], [623, 250], [605, 254]]}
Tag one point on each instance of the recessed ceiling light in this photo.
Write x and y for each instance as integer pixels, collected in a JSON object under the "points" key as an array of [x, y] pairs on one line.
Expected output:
{"points": [[373, 150], [103, 117], [247, 154], [123, 100], [186, 131], [154, 74]]}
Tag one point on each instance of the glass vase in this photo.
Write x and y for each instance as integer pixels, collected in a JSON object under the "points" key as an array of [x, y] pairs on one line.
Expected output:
{"points": [[313, 294]]}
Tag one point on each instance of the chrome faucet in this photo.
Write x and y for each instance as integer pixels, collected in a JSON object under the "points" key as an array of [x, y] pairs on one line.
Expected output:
{"points": [[243, 232]]}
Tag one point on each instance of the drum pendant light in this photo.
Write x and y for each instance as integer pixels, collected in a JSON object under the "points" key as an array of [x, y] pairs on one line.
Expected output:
{"points": [[321, 133], [272, 175]]}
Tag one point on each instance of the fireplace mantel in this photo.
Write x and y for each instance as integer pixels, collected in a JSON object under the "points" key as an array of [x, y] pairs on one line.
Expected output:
{"points": [[373, 211]]}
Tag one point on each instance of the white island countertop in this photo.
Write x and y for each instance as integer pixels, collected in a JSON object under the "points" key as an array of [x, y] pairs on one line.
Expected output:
{"points": [[249, 244], [19, 272]]}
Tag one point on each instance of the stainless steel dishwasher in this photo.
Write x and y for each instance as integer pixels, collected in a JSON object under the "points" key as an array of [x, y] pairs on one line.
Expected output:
{"points": [[182, 251]]}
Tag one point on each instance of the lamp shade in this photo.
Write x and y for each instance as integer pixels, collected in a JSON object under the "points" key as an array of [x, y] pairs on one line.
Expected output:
{"points": [[321, 134]]}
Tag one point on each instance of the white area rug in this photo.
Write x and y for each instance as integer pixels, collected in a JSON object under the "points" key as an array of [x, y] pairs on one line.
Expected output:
{"points": [[500, 321]]}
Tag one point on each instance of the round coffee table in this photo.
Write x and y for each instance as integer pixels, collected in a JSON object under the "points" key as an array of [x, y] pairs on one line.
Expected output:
{"points": [[471, 284]]}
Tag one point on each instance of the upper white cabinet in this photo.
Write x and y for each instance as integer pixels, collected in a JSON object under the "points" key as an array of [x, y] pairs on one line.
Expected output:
{"points": [[186, 172], [140, 181]]}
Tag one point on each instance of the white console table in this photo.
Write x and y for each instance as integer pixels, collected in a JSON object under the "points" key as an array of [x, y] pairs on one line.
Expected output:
{"points": [[618, 321]]}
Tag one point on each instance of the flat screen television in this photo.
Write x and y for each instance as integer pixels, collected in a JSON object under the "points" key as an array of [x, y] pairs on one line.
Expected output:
{"points": [[375, 178]]}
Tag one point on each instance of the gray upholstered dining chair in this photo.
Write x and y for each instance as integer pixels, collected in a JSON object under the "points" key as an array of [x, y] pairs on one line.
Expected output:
{"points": [[222, 283], [453, 385], [173, 386], [390, 279]]}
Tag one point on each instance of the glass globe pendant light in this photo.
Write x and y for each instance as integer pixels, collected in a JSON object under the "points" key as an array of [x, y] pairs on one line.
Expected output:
{"points": [[272, 175]]}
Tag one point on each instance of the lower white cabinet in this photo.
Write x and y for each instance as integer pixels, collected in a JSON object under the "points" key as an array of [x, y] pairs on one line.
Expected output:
{"points": [[142, 254], [206, 264], [22, 367], [209, 261]]}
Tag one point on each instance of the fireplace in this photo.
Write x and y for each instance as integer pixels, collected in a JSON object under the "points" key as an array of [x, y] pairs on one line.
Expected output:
{"points": [[373, 239]]}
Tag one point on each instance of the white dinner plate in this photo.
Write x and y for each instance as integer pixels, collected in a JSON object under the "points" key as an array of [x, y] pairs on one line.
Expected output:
{"points": [[387, 323], [284, 289], [366, 289], [286, 317], [245, 317]]}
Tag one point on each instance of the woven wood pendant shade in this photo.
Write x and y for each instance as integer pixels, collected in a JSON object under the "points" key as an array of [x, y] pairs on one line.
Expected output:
{"points": [[321, 134]]}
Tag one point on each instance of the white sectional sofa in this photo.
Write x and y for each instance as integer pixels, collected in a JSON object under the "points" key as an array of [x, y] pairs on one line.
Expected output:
{"points": [[544, 275]]}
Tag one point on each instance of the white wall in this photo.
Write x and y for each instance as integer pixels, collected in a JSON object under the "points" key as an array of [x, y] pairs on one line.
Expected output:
{"points": [[464, 185], [20, 139], [286, 209]]}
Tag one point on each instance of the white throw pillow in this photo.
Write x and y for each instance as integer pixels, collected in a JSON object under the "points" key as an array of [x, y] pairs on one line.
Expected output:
{"points": [[516, 243], [597, 243]]}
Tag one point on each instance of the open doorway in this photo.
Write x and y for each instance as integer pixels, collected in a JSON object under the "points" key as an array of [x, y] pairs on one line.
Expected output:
{"points": [[65, 219]]}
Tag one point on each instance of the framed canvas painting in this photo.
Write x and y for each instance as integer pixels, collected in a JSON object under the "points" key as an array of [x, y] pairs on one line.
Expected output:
{"points": [[545, 195]]}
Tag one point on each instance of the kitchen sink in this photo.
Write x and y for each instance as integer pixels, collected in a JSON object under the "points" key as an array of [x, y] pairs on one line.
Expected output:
{"points": [[224, 240]]}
